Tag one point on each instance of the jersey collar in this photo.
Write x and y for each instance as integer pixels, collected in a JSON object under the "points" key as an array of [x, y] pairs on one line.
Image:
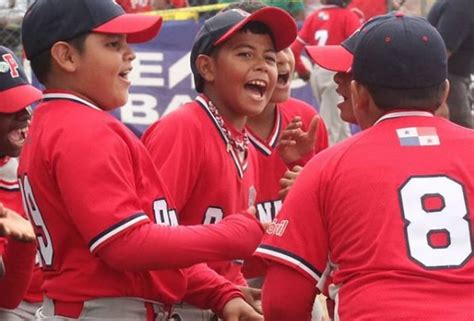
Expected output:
{"points": [[267, 146], [50, 95], [404, 114]]}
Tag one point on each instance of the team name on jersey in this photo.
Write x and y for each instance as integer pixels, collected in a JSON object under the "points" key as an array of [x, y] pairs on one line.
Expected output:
{"points": [[267, 211]]}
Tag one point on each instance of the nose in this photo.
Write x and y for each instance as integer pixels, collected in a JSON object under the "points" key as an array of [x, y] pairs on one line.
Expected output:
{"points": [[129, 53]]}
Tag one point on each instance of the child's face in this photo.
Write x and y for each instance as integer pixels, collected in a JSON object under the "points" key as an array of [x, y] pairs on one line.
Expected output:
{"points": [[102, 70], [13, 130], [343, 81], [286, 68], [245, 73]]}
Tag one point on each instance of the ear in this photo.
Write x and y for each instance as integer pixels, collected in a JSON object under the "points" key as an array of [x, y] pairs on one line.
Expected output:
{"points": [[206, 67], [446, 92], [65, 56], [361, 100]]}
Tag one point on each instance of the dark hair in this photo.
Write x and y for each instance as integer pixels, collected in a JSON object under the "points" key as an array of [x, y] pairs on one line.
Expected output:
{"points": [[429, 98], [41, 64]]}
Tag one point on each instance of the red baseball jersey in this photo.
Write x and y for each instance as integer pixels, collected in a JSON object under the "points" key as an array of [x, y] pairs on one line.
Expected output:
{"points": [[10, 197], [328, 25], [370, 8], [387, 217], [86, 179], [203, 173], [136, 6], [272, 167]]}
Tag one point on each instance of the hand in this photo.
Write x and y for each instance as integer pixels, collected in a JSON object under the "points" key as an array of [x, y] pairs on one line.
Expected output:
{"points": [[295, 143], [253, 296], [253, 211], [15, 226], [239, 310], [287, 180]]}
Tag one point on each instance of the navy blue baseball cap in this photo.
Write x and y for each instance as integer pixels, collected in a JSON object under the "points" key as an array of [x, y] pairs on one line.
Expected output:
{"points": [[16, 93], [398, 51], [224, 24], [49, 21]]}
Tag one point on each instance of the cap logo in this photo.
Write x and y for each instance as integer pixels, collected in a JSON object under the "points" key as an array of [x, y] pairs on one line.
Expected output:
{"points": [[241, 12], [115, 2], [9, 64]]}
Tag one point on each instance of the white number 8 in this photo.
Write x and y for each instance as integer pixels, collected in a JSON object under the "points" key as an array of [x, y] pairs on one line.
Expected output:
{"points": [[449, 218]]}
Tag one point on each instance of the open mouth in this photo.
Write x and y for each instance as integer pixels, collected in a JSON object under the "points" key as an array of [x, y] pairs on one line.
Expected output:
{"points": [[256, 87], [283, 78], [124, 74], [17, 137]]}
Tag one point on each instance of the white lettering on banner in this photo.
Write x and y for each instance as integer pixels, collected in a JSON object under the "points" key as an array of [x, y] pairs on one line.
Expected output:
{"points": [[140, 109], [153, 67], [179, 71]]}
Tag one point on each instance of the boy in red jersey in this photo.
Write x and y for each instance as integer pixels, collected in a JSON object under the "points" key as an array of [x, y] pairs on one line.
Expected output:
{"points": [[328, 25], [21, 292], [202, 149], [386, 242], [91, 189]]}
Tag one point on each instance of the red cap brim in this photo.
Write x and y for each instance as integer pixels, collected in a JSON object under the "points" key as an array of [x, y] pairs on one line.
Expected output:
{"points": [[18, 98], [334, 58], [138, 27], [281, 24]]}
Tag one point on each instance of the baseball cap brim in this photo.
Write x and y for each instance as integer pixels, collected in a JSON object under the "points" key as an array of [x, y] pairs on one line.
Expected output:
{"points": [[18, 98], [280, 23], [334, 58], [138, 27]]}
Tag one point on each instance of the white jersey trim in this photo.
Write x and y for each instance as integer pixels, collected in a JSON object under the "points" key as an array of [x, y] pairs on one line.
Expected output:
{"points": [[8, 174], [261, 145], [70, 97], [115, 230], [290, 259], [404, 114]]}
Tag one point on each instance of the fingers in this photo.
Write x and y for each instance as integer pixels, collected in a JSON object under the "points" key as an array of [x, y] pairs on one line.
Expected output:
{"points": [[313, 127], [252, 210], [16, 227]]}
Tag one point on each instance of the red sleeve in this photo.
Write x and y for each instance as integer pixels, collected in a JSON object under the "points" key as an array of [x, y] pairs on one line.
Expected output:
{"points": [[207, 289], [150, 246], [19, 260], [287, 294], [296, 48], [353, 22]]}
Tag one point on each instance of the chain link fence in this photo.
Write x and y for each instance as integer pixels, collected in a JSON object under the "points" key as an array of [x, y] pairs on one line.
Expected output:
{"points": [[11, 15]]}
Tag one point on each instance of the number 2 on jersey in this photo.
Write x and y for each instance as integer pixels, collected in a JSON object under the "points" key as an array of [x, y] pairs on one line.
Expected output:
{"points": [[435, 206]]}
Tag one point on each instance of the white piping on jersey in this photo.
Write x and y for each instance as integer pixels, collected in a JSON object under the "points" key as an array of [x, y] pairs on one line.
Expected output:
{"points": [[289, 259], [273, 140], [330, 267], [8, 176], [116, 230], [70, 97], [240, 167], [404, 114]]}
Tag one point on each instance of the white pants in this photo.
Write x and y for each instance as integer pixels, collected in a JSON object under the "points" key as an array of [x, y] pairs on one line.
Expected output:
{"points": [[117, 309], [25, 311], [324, 91]]}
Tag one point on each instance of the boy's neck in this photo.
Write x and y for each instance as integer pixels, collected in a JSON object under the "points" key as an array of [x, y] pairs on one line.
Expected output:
{"points": [[237, 120], [263, 123]]}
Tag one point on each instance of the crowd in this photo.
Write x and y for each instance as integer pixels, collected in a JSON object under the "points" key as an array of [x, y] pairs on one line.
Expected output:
{"points": [[245, 203]]}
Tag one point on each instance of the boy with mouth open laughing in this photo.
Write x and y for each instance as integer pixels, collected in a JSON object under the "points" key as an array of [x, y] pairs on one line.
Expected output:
{"points": [[19, 288], [202, 149]]}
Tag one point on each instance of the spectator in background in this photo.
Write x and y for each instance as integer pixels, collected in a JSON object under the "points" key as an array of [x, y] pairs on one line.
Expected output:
{"points": [[330, 24], [454, 20], [371, 8]]}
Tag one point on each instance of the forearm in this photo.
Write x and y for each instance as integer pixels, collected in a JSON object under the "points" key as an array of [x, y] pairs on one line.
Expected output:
{"points": [[287, 294], [300, 67], [209, 290], [151, 246], [19, 260]]}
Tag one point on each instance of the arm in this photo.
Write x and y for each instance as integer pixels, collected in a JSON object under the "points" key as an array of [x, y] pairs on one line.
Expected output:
{"points": [[19, 260], [287, 294], [149, 246], [301, 69]]}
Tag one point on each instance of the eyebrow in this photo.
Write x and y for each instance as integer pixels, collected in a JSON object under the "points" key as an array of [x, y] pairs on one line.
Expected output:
{"points": [[246, 45]]}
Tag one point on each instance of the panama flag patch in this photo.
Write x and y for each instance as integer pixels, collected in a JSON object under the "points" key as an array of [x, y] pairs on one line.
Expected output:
{"points": [[418, 136]]}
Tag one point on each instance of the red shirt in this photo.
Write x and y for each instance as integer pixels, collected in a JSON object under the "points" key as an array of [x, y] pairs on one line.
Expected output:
{"points": [[272, 167], [135, 6], [87, 179], [382, 222], [207, 180], [10, 196], [370, 8]]}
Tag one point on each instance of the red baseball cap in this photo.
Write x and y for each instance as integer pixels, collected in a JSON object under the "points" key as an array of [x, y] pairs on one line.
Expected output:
{"points": [[49, 21], [334, 58], [16, 93]]}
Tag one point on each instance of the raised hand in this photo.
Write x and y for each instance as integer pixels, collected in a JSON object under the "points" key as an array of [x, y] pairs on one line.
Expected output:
{"points": [[295, 143]]}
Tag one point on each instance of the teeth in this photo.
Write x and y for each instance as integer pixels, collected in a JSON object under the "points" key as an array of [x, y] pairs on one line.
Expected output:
{"points": [[259, 83]]}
